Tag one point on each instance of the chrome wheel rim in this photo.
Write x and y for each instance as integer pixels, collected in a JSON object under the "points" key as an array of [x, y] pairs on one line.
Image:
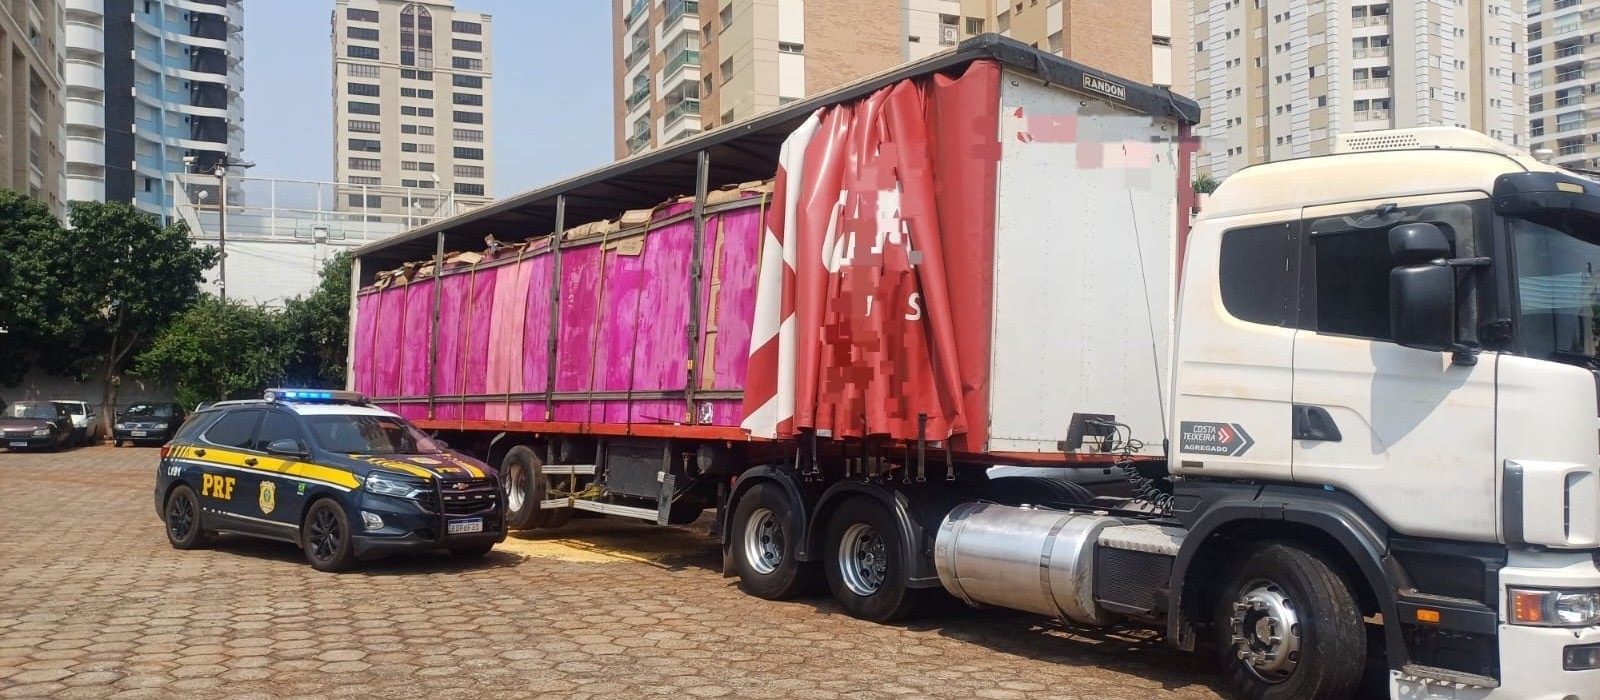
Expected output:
{"points": [[1266, 631], [763, 541], [863, 559], [516, 495]]}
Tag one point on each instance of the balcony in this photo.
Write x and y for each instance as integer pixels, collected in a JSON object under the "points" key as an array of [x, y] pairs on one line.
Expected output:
{"points": [[1373, 21], [1571, 150], [1370, 84], [679, 8], [1570, 100], [639, 141], [638, 10], [684, 58], [1372, 115], [1569, 51], [639, 97], [1567, 76], [1569, 127], [682, 109], [639, 50]]}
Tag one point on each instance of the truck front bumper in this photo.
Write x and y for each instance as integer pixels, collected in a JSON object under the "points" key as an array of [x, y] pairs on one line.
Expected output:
{"points": [[1532, 659]]}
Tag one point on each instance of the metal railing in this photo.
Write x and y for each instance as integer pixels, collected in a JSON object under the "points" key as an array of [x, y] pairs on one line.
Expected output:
{"points": [[1573, 50], [1371, 21], [679, 8], [1562, 128], [638, 141], [639, 6], [640, 50], [638, 97], [1372, 115], [682, 109], [683, 58], [1370, 83]]}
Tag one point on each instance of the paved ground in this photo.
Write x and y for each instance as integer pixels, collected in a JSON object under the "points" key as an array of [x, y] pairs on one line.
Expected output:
{"points": [[93, 603]]}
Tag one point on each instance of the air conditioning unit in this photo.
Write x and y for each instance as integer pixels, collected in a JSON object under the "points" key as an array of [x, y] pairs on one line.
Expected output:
{"points": [[948, 35]]}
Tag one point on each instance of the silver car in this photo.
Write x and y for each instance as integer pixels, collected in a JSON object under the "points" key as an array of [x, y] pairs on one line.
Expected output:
{"points": [[86, 429]]}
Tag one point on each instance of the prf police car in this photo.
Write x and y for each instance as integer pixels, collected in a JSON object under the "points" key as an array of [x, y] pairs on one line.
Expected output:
{"points": [[328, 472]]}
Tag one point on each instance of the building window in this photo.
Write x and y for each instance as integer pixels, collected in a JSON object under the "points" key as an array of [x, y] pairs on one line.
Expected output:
{"points": [[464, 98], [361, 70], [469, 188], [366, 145], [364, 163], [790, 47], [416, 36], [362, 89], [1002, 22], [463, 63], [365, 180], [361, 126], [467, 81], [410, 74], [364, 108], [369, 53], [368, 202], [461, 27], [469, 171], [470, 135], [362, 33], [466, 45], [727, 70], [726, 16], [355, 15], [416, 165], [1056, 43], [415, 92], [461, 117], [974, 25], [410, 111], [465, 153]]}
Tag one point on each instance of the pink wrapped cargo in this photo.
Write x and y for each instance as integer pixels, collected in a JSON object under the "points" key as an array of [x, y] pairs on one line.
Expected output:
{"points": [[842, 313]]}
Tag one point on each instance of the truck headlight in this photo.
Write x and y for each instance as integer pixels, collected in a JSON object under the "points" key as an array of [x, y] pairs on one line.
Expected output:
{"points": [[1554, 608], [386, 485], [42, 432]]}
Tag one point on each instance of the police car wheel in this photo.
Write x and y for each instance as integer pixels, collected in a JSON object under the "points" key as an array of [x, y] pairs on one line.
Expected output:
{"points": [[185, 525], [326, 537]]}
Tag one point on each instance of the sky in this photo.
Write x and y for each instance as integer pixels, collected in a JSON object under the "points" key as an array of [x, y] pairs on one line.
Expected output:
{"points": [[551, 89]]}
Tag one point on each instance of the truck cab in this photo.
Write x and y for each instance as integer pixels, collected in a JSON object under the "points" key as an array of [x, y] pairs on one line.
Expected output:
{"points": [[1394, 347]]}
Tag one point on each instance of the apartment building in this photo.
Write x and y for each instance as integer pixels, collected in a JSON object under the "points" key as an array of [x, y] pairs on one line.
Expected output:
{"points": [[684, 66], [411, 96], [177, 107], [1282, 79], [1564, 81], [31, 129]]}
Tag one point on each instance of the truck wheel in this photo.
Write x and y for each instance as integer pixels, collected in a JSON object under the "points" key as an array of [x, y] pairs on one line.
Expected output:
{"points": [[326, 537], [763, 547], [524, 474], [865, 563], [1289, 627], [185, 523]]}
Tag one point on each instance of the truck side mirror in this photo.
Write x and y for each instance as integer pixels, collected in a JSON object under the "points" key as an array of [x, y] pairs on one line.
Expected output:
{"points": [[1422, 306], [1414, 244]]}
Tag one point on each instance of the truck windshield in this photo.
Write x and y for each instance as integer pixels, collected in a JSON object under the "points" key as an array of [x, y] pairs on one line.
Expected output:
{"points": [[1558, 282], [36, 411], [368, 435]]}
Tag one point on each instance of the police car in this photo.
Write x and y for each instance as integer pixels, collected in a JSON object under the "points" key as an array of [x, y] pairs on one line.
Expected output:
{"points": [[329, 472]]}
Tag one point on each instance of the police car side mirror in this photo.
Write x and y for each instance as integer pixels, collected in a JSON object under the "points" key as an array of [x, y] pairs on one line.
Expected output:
{"points": [[286, 448]]}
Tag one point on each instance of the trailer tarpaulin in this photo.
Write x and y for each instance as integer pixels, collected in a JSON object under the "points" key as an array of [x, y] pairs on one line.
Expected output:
{"points": [[876, 276]]}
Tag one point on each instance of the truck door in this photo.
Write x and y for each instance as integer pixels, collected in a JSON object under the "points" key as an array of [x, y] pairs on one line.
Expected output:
{"points": [[1407, 431]]}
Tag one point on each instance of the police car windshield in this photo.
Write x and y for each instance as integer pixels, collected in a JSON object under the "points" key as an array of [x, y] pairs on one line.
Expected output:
{"points": [[368, 435]]}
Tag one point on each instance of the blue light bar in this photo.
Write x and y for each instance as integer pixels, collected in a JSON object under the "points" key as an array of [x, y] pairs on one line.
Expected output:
{"points": [[313, 395]]}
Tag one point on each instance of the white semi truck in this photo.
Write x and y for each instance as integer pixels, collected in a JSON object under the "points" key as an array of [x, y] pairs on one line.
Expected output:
{"points": [[1355, 402]]}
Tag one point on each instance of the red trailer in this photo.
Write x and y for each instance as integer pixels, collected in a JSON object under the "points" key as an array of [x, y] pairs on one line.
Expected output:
{"points": [[827, 323]]}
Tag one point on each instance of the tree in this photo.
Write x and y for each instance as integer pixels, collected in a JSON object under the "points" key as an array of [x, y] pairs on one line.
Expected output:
{"points": [[126, 276], [1205, 184], [320, 324], [218, 350], [32, 312]]}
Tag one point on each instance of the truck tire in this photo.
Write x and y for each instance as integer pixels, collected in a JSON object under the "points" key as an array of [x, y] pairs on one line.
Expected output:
{"points": [[864, 562], [185, 523], [1036, 490], [763, 547], [326, 537], [1288, 626], [525, 488]]}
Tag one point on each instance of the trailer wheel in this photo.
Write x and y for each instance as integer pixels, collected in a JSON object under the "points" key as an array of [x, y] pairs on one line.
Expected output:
{"points": [[1288, 627], [865, 563], [763, 545], [525, 488]]}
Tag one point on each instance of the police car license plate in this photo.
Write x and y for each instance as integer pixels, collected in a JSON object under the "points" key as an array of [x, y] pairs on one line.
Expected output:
{"points": [[461, 527], [19, 443], [138, 433]]}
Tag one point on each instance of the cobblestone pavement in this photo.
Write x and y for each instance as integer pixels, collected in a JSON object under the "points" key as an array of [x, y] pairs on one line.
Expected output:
{"points": [[93, 603]]}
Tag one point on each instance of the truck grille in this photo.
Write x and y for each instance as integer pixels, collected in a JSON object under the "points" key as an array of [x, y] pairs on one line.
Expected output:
{"points": [[477, 496]]}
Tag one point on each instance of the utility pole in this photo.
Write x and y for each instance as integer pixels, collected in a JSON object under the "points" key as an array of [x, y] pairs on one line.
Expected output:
{"points": [[221, 171]]}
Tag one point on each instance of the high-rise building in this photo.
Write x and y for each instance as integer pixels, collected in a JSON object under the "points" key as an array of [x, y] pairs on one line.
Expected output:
{"points": [[1562, 74], [411, 103], [133, 125], [31, 131], [1282, 79], [683, 66]]}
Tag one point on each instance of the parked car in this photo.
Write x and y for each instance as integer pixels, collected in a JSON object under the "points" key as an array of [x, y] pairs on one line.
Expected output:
{"points": [[36, 425], [153, 423], [86, 428]]}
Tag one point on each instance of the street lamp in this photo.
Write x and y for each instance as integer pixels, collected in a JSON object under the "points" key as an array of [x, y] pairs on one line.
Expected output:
{"points": [[221, 171]]}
